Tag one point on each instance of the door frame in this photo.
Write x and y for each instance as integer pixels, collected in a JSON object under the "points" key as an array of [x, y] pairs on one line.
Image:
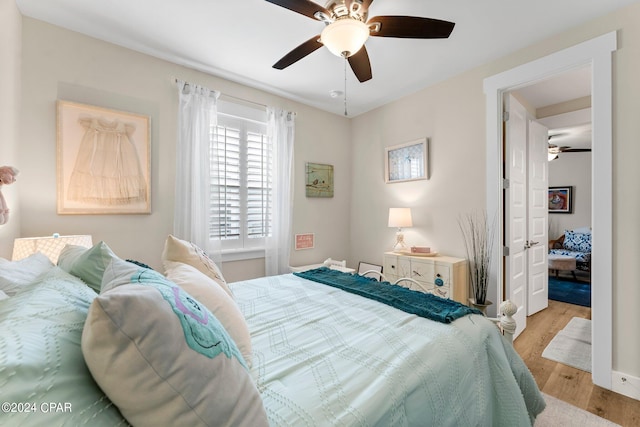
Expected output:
{"points": [[596, 53]]}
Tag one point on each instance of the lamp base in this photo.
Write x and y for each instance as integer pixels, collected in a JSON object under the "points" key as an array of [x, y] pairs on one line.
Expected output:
{"points": [[400, 245]]}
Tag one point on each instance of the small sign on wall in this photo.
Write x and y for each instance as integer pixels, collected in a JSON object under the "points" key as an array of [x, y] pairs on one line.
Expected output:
{"points": [[304, 241]]}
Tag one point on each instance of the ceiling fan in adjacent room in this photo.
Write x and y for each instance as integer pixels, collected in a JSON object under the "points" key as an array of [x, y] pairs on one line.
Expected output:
{"points": [[555, 149], [347, 29]]}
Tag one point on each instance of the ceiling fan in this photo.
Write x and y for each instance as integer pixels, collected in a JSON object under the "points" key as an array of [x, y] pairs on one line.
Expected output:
{"points": [[555, 149], [347, 29]]}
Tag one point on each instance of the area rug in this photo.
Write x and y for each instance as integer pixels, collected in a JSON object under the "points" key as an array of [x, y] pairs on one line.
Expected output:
{"points": [[559, 413], [572, 345], [570, 291]]}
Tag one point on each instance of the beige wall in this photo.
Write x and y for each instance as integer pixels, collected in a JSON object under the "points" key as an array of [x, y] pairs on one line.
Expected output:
{"points": [[452, 115], [10, 42], [448, 115], [60, 64], [571, 169]]}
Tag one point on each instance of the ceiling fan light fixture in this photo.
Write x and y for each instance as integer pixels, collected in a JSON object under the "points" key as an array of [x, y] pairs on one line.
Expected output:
{"points": [[345, 37], [552, 156]]}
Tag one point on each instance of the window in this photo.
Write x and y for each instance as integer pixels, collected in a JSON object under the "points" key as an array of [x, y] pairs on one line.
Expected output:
{"points": [[240, 179]]}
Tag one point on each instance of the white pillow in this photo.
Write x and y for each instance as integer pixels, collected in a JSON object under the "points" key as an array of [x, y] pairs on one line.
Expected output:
{"points": [[205, 290], [178, 250], [16, 274], [163, 358]]}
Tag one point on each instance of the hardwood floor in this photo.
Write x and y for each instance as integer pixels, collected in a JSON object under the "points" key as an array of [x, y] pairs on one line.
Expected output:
{"points": [[564, 382]]}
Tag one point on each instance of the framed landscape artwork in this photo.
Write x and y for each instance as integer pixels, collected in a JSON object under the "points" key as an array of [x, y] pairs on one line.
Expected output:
{"points": [[561, 199], [103, 160], [319, 181], [406, 162]]}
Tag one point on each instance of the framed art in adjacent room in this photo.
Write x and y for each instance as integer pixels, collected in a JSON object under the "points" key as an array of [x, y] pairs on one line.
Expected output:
{"points": [[103, 158], [406, 162], [319, 181], [561, 199]]}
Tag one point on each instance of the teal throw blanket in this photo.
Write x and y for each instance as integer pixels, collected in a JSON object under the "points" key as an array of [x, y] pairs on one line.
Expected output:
{"points": [[419, 303]]}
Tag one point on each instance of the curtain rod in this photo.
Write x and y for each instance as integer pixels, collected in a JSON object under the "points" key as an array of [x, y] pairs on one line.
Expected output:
{"points": [[231, 96]]}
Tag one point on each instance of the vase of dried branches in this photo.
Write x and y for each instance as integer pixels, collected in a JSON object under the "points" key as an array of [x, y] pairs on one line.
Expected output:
{"points": [[481, 307], [478, 242]]}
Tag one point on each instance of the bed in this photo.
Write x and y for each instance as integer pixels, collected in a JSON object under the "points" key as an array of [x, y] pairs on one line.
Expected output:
{"points": [[101, 341]]}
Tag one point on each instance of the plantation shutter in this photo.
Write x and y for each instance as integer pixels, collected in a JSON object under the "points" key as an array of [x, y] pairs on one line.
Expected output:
{"points": [[226, 210], [241, 213], [258, 186]]}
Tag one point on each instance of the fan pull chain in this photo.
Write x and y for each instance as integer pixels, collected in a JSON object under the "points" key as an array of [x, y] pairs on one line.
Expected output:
{"points": [[345, 85]]}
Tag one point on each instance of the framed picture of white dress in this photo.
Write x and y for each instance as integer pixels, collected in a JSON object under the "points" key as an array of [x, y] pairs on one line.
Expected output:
{"points": [[103, 160], [406, 162]]}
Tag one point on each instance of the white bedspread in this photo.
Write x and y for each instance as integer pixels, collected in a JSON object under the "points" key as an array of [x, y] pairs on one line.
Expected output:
{"points": [[324, 357]]}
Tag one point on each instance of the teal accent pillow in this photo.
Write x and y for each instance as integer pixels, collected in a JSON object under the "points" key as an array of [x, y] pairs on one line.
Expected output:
{"points": [[163, 358], [214, 297], [41, 359], [202, 330], [87, 264]]}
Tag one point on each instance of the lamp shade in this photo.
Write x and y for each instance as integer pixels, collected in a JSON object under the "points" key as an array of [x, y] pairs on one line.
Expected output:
{"points": [[51, 246], [345, 37], [400, 217]]}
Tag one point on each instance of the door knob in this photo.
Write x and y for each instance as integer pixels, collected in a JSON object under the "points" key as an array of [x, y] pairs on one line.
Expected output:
{"points": [[529, 244]]}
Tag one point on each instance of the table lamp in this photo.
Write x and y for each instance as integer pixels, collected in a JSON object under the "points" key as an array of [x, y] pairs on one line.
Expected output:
{"points": [[400, 217]]}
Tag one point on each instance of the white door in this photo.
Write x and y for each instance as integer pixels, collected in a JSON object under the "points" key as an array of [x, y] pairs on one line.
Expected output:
{"points": [[515, 204], [538, 271]]}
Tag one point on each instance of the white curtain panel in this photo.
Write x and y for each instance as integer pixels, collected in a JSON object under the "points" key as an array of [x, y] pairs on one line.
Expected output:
{"points": [[280, 130], [197, 112]]}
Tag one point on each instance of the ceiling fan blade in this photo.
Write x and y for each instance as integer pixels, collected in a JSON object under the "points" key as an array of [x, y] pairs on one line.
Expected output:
{"points": [[366, 4], [360, 65], [298, 53], [410, 27], [577, 150], [303, 7]]}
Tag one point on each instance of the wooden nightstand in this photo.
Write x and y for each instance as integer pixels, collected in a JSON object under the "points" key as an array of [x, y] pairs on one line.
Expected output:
{"points": [[439, 275]]}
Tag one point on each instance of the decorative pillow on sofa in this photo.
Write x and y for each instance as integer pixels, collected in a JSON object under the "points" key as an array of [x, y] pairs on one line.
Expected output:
{"points": [[163, 358], [87, 264], [16, 274], [580, 242], [178, 250], [586, 230], [42, 363], [205, 290]]}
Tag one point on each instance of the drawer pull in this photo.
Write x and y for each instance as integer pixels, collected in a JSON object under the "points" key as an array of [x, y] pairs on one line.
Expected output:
{"points": [[439, 281]]}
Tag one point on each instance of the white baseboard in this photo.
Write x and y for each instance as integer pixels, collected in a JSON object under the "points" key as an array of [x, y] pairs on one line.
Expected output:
{"points": [[626, 384]]}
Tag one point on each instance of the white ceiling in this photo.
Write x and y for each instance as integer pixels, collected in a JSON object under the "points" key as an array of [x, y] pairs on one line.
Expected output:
{"points": [[241, 39], [563, 87], [571, 129]]}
